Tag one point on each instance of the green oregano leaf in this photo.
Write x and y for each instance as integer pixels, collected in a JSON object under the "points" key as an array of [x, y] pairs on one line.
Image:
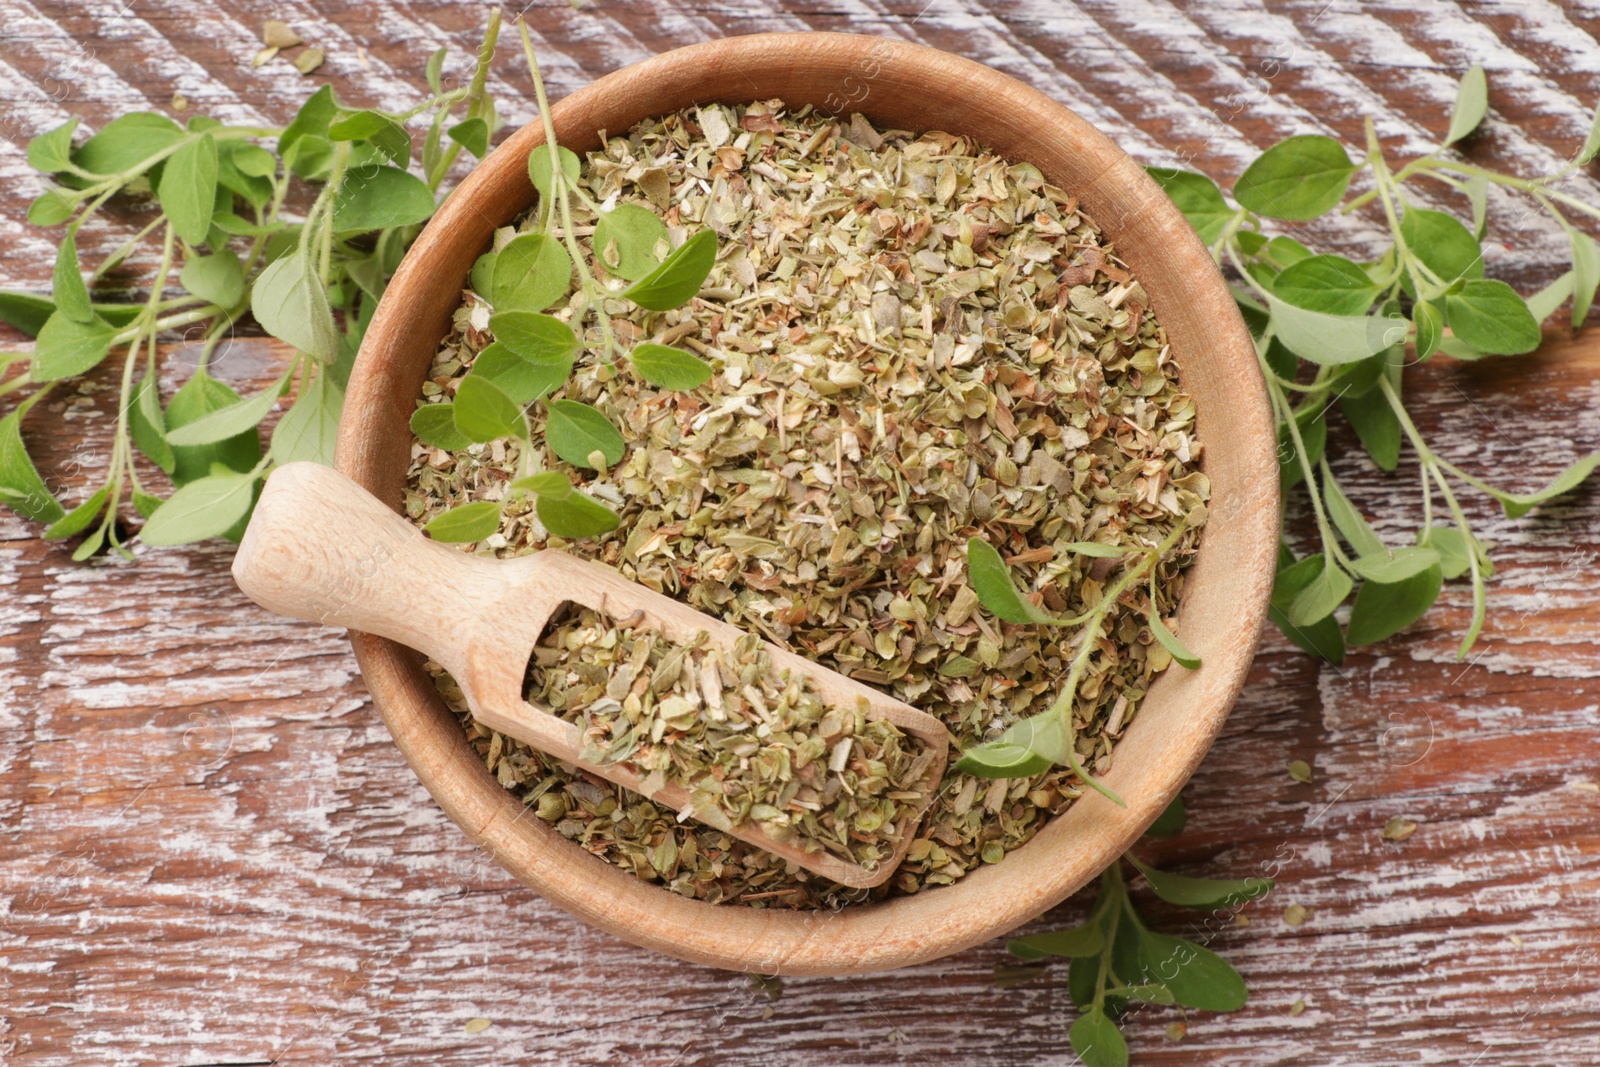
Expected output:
{"points": [[381, 197], [1085, 940], [218, 277], [1330, 340], [67, 285], [1329, 284], [545, 483], [1026, 748], [1472, 104], [435, 426], [1585, 276], [523, 380], [78, 519], [1169, 641], [1446, 247], [1198, 977], [574, 515], [679, 277], [1430, 328], [199, 396], [1491, 317], [1198, 197], [51, 152], [309, 429], [148, 426], [289, 302], [541, 338], [626, 239], [1323, 638], [471, 134], [1187, 892], [1348, 521], [1454, 549], [1325, 592], [991, 581], [669, 368], [433, 70], [1384, 608], [465, 523], [128, 143], [67, 348], [52, 207], [1388, 566], [188, 188], [1096, 549], [539, 168], [1547, 301], [531, 272], [21, 488], [483, 412], [230, 421], [206, 507], [1296, 179], [1097, 1041], [1519, 504], [575, 432], [377, 129]]}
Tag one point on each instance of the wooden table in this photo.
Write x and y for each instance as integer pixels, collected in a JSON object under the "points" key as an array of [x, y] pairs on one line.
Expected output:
{"points": [[211, 853]]}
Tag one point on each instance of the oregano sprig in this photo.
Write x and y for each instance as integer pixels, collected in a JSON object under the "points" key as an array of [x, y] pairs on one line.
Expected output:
{"points": [[1332, 334], [529, 283]]}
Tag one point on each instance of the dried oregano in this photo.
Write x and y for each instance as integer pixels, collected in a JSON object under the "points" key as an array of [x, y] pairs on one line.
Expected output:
{"points": [[914, 343]]}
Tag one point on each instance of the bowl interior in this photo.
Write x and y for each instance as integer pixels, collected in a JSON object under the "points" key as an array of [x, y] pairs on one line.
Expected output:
{"points": [[906, 87]]}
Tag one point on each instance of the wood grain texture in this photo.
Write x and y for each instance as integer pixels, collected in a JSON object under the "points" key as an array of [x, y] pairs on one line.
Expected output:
{"points": [[211, 852]]}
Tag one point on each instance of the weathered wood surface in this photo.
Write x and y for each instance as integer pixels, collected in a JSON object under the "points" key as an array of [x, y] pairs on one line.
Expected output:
{"points": [[210, 852]]}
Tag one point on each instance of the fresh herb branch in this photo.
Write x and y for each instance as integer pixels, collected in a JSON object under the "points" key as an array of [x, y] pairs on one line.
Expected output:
{"points": [[534, 353], [1332, 333], [225, 232], [1117, 960]]}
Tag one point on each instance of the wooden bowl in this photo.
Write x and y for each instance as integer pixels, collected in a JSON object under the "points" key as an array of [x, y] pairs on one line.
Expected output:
{"points": [[1225, 597]]}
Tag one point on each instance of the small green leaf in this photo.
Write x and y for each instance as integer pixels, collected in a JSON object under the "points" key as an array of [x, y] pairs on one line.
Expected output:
{"points": [[1086, 940], [148, 426], [1323, 638], [128, 143], [1026, 748], [576, 431], [1198, 197], [218, 277], [1519, 504], [78, 519], [1491, 317], [1446, 247], [51, 152], [471, 134], [1387, 566], [1591, 143], [1325, 592], [1296, 179], [52, 207], [484, 413], [679, 277], [531, 272], [1170, 642], [1285, 252], [206, 507], [379, 130], [991, 581], [230, 421], [1171, 821], [67, 286], [433, 70], [1383, 608], [626, 238], [1451, 545], [481, 279], [1585, 276], [1472, 103], [380, 197], [467, 522], [669, 368], [308, 430], [574, 515], [1429, 321], [1198, 977], [1096, 549], [289, 302], [545, 483], [1097, 1041], [1330, 340], [67, 348], [435, 426], [1190, 892], [523, 380], [145, 504], [21, 488], [188, 188], [1547, 301], [1329, 284], [541, 338], [1350, 522], [539, 168], [1313, 435]]}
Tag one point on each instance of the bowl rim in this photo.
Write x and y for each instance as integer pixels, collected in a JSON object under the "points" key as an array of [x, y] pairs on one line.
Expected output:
{"points": [[374, 446]]}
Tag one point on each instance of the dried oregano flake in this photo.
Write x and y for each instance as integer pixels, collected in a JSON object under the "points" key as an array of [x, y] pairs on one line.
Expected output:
{"points": [[914, 343]]}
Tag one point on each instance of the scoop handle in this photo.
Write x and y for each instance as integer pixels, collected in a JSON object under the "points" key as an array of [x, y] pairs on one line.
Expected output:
{"points": [[319, 547]]}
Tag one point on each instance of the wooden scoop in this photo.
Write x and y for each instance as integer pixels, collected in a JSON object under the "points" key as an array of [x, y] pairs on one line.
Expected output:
{"points": [[321, 548]]}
